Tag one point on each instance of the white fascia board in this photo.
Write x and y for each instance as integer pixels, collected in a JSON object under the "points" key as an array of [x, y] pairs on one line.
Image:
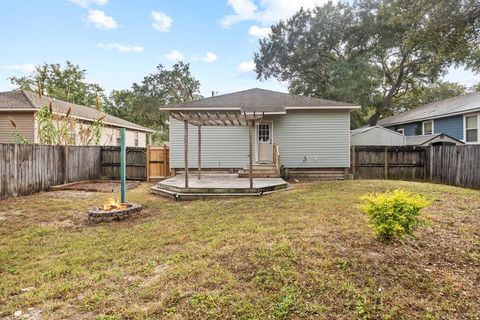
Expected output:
{"points": [[324, 108], [18, 110], [200, 109]]}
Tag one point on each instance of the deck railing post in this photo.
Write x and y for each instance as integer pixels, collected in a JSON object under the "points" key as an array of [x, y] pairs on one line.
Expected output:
{"points": [[185, 146], [250, 152], [199, 169]]}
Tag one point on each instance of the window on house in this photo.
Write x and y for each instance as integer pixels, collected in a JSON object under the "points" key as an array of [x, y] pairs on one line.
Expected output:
{"points": [[471, 128], [136, 138], [118, 137], [401, 130], [428, 127]]}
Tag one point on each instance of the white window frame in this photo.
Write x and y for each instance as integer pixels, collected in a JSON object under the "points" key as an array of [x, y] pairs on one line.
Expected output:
{"points": [[465, 116], [135, 138], [423, 126], [401, 130]]}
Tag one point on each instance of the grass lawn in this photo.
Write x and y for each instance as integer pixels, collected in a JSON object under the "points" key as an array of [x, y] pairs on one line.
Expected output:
{"points": [[306, 253]]}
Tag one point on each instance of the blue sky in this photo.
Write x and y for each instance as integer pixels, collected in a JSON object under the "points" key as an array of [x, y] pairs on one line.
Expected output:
{"points": [[120, 41]]}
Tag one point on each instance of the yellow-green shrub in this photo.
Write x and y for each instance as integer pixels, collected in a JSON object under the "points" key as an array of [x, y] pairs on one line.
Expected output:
{"points": [[393, 214]]}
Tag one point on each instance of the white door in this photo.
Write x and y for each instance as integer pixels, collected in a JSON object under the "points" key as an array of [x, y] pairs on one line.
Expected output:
{"points": [[264, 142]]}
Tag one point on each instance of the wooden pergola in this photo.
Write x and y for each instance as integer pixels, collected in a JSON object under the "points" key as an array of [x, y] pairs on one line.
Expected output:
{"points": [[216, 118]]}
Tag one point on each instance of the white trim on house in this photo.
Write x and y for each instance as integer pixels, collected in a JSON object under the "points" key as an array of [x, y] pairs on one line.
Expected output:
{"points": [[401, 130], [465, 128], [423, 127], [180, 109], [19, 110], [323, 107]]}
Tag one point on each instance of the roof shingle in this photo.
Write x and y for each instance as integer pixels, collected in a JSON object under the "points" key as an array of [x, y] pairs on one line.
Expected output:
{"points": [[258, 100], [443, 108], [23, 99]]}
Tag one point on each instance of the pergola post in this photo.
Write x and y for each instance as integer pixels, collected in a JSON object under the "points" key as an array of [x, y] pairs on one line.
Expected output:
{"points": [[250, 152], [199, 169], [185, 147]]}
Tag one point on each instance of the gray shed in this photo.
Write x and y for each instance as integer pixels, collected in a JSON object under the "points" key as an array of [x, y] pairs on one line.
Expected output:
{"points": [[376, 136], [433, 139]]}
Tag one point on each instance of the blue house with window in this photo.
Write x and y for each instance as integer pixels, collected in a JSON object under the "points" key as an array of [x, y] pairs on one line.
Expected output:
{"points": [[456, 117]]}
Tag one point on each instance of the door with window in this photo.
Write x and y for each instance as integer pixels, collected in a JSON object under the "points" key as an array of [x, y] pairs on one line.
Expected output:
{"points": [[264, 142]]}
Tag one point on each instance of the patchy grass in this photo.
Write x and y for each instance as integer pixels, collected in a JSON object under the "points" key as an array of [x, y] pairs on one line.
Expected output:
{"points": [[306, 253]]}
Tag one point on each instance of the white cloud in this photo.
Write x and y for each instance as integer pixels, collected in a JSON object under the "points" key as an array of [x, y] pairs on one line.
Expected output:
{"points": [[259, 32], [270, 11], [246, 67], [174, 55], [24, 68], [87, 3], [101, 20], [209, 57], [161, 21], [244, 10], [120, 47]]}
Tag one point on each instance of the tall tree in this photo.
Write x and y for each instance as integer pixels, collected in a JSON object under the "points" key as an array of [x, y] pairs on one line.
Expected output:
{"points": [[141, 103], [371, 52], [65, 83]]}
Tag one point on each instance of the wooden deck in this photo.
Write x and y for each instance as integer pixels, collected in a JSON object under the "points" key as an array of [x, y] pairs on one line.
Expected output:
{"points": [[217, 185]]}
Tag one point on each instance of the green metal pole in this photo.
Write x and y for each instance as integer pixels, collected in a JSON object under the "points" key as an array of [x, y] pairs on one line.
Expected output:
{"points": [[123, 166]]}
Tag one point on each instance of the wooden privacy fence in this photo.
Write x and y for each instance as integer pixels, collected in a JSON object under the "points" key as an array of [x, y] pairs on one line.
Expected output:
{"points": [[455, 165], [136, 163], [26, 169], [158, 159], [381, 162]]}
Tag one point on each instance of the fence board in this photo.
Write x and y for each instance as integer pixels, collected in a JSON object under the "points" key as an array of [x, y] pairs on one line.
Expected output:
{"points": [[27, 169], [136, 163]]}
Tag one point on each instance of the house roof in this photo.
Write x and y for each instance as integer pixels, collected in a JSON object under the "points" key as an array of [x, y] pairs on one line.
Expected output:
{"points": [[259, 100], [28, 100], [365, 129], [424, 139], [439, 109]]}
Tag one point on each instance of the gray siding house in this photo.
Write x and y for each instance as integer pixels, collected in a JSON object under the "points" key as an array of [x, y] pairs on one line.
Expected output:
{"points": [[308, 133], [457, 117]]}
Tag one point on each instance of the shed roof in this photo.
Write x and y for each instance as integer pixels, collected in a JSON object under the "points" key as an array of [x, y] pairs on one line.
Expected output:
{"points": [[28, 100], [424, 139], [365, 129], [259, 100], [438, 109]]}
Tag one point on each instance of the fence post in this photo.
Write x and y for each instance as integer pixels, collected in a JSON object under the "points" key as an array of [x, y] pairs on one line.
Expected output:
{"points": [[353, 161], [148, 163], [431, 162], [385, 167], [123, 165]]}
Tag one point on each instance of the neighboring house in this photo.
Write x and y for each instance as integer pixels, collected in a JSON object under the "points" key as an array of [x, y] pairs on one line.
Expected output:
{"points": [[376, 136], [21, 106], [310, 133], [432, 139], [457, 117]]}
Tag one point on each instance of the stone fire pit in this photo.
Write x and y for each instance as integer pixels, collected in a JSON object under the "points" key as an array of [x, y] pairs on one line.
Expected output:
{"points": [[126, 210]]}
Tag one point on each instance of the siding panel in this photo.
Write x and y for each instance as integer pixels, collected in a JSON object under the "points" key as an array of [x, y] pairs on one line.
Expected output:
{"points": [[222, 147], [24, 122], [307, 139], [453, 126], [313, 139]]}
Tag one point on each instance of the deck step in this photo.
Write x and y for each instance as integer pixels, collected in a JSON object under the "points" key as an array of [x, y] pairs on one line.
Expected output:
{"points": [[260, 170]]}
